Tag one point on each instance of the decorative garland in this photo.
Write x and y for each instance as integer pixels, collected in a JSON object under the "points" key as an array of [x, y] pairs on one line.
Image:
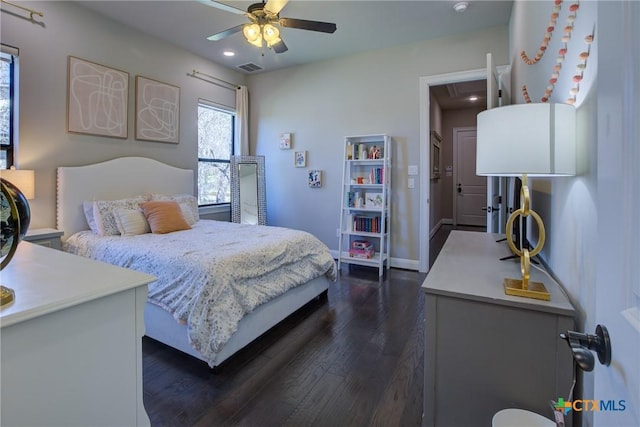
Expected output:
{"points": [[547, 36], [553, 79], [582, 65]]}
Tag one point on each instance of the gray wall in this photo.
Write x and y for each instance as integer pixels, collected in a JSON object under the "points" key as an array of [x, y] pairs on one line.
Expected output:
{"points": [[373, 92], [70, 29]]}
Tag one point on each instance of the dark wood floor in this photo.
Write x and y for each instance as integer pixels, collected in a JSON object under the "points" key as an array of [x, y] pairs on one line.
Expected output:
{"points": [[353, 359]]}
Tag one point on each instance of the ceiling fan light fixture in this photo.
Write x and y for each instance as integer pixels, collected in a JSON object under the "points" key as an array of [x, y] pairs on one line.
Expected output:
{"points": [[271, 35], [461, 6], [253, 34]]}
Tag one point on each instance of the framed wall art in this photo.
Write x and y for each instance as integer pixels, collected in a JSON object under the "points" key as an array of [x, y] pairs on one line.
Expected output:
{"points": [[300, 159], [315, 178], [285, 141], [157, 111], [97, 99]]}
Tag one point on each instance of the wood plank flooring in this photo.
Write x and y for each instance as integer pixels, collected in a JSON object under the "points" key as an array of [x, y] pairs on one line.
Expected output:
{"points": [[354, 358]]}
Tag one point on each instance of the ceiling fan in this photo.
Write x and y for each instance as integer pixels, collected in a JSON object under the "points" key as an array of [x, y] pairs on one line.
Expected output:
{"points": [[264, 24]]}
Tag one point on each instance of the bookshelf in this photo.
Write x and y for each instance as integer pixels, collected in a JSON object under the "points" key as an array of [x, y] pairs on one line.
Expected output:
{"points": [[365, 219]]}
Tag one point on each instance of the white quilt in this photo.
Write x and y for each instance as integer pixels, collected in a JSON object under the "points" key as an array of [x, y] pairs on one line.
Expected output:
{"points": [[209, 277]]}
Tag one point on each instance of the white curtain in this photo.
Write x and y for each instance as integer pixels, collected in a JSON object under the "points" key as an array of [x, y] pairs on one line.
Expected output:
{"points": [[242, 121]]}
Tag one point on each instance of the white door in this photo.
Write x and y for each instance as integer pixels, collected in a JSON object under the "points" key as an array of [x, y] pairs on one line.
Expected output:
{"points": [[493, 182], [618, 204], [470, 189]]}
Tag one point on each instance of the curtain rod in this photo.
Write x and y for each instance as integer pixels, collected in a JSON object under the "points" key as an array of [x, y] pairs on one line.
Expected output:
{"points": [[218, 81], [31, 11]]}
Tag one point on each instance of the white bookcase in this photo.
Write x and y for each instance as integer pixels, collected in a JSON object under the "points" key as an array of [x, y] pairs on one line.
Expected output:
{"points": [[366, 202]]}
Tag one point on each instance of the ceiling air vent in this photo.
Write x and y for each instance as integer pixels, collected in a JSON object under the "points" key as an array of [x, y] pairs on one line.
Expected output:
{"points": [[250, 67]]}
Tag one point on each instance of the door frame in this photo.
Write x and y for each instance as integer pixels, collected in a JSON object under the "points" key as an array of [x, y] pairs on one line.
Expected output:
{"points": [[455, 167], [425, 84], [425, 144]]}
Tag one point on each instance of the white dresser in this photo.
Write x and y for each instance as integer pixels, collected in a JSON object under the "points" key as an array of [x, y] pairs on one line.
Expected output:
{"points": [[71, 342], [484, 350]]}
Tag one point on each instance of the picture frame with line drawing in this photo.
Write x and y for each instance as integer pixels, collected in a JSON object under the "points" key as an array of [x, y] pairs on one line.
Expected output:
{"points": [[97, 99]]}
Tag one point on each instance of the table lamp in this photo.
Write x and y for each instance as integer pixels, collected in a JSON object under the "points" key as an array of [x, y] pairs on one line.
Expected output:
{"points": [[537, 140]]}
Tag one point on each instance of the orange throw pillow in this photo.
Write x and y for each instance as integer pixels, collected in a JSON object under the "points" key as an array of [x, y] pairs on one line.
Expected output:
{"points": [[164, 216]]}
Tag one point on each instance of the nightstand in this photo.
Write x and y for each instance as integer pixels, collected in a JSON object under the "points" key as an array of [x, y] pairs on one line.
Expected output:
{"points": [[48, 237]]}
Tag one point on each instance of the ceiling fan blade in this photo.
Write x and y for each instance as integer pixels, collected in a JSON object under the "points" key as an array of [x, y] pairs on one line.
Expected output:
{"points": [[303, 24], [222, 6], [225, 33], [280, 47], [275, 6]]}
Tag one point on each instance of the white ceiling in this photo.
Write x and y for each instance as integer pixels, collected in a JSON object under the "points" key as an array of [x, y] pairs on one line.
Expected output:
{"points": [[362, 26]]}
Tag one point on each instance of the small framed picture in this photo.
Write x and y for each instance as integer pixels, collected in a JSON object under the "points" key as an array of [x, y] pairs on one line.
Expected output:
{"points": [[285, 141], [315, 178], [300, 159]]}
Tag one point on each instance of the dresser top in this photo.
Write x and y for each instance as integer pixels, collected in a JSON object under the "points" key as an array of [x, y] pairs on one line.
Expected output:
{"points": [[47, 280], [469, 267]]}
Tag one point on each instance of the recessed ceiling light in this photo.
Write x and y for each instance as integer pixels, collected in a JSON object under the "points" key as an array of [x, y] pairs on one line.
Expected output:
{"points": [[229, 53], [460, 6]]}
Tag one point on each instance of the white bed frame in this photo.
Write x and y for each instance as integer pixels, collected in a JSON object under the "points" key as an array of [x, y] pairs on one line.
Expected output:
{"points": [[131, 176]]}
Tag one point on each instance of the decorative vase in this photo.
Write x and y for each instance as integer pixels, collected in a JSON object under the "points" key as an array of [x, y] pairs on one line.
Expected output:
{"points": [[15, 216]]}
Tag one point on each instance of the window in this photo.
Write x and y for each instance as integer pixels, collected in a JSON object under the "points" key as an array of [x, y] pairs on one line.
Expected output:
{"points": [[215, 147], [7, 97]]}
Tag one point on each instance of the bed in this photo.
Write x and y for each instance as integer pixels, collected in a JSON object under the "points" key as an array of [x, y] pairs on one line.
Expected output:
{"points": [[309, 275]]}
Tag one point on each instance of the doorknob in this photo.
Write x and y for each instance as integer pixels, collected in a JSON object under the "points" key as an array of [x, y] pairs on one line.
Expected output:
{"points": [[459, 188]]}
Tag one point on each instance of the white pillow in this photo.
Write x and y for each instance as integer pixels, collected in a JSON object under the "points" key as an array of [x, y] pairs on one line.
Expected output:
{"points": [[87, 207], [188, 205], [131, 222], [104, 217]]}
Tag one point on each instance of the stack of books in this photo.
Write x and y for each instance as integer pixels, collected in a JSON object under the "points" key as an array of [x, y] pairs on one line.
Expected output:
{"points": [[361, 249]]}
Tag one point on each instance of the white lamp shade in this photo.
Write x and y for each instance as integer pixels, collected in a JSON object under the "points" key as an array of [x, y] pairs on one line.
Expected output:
{"points": [[23, 179], [532, 139]]}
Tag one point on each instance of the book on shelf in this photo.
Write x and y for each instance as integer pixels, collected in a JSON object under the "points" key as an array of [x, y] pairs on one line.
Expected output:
{"points": [[361, 249], [367, 224], [361, 244], [376, 176], [373, 200]]}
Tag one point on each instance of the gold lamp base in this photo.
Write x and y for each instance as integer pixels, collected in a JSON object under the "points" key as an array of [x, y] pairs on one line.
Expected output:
{"points": [[524, 287], [7, 295], [535, 290]]}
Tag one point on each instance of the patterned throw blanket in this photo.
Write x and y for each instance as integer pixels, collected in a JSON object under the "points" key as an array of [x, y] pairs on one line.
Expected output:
{"points": [[209, 277]]}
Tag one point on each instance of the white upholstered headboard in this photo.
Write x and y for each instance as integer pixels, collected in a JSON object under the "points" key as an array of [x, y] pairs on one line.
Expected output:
{"points": [[111, 180]]}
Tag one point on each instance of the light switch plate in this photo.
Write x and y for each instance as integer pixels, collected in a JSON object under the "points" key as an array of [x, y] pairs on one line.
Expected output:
{"points": [[411, 183], [413, 170]]}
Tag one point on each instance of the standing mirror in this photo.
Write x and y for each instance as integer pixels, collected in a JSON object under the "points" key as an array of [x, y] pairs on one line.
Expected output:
{"points": [[248, 193]]}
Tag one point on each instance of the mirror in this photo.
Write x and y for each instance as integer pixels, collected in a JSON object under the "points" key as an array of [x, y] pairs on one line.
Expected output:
{"points": [[248, 193]]}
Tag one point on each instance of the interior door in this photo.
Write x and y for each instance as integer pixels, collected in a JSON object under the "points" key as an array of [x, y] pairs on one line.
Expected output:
{"points": [[617, 297], [471, 189], [493, 182]]}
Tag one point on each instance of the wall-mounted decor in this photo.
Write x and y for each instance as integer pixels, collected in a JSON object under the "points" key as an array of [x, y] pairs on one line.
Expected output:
{"points": [[157, 111], [97, 99], [435, 154], [315, 178], [285, 141], [300, 159]]}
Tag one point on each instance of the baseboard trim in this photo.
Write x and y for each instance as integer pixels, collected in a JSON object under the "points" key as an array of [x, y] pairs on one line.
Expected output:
{"points": [[403, 263], [436, 228]]}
